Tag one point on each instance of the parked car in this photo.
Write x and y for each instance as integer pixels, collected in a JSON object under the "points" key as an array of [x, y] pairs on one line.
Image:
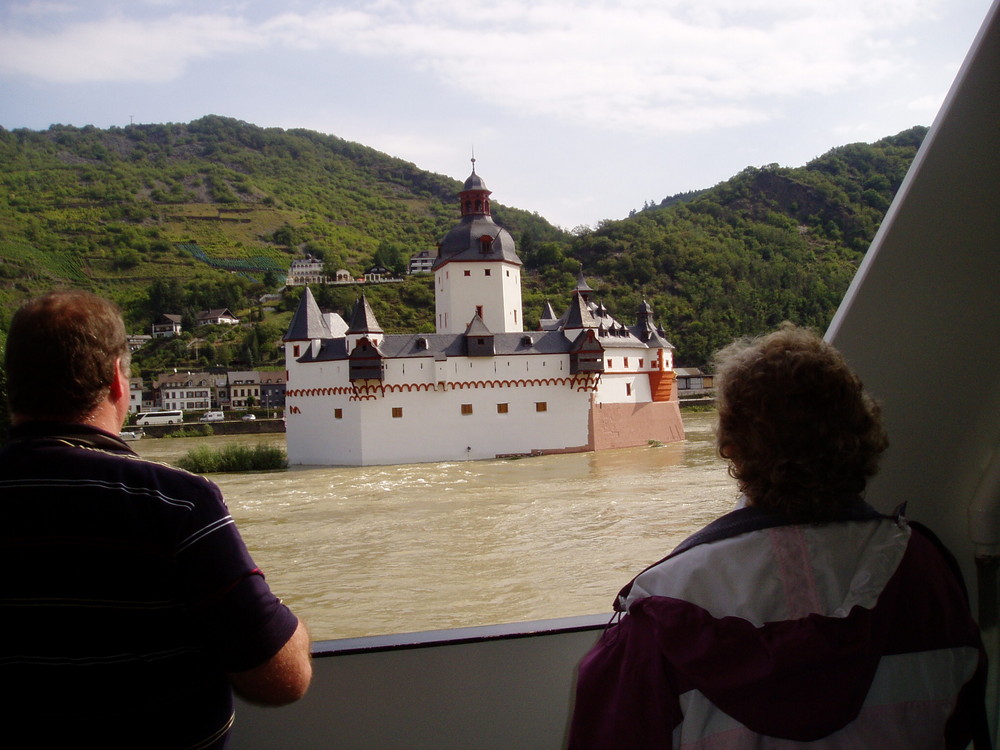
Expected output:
{"points": [[213, 416], [249, 417]]}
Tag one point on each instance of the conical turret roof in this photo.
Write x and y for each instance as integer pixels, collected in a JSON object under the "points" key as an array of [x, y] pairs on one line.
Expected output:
{"points": [[363, 318], [579, 314], [308, 322]]}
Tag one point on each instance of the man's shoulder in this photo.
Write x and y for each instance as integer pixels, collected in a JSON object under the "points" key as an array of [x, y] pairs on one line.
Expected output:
{"points": [[94, 455], [136, 469]]}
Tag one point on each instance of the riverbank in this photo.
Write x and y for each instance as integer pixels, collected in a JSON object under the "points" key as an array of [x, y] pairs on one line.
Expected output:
{"points": [[261, 426], [229, 427], [697, 404]]}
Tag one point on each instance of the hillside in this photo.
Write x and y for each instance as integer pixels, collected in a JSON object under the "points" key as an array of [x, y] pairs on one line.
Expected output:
{"points": [[770, 244], [209, 214], [115, 210]]}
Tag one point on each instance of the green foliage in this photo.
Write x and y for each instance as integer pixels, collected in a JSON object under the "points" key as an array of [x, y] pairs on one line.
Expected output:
{"points": [[195, 430], [770, 244], [117, 210], [395, 256], [234, 458], [180, 218]]}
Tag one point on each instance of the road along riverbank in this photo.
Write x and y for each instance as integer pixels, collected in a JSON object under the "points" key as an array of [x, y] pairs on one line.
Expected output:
{"points": [[230, 427]]}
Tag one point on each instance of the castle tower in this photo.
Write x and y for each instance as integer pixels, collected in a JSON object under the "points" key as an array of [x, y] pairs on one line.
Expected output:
{"points": [[307, 329], [477, 272], [363, 325]]}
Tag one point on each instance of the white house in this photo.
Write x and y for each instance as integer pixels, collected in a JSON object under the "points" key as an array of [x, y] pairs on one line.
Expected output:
{"points": [[481, 386], [308, 270], [186, 390], [244, 388], [134, 395], [217, 317], [422, 262], [137, 341], [166, 326]]}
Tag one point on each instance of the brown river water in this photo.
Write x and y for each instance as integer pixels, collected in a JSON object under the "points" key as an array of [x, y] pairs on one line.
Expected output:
{"points": [[389, 549]]}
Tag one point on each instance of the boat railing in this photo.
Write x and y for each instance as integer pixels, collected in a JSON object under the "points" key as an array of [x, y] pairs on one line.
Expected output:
{"points": [[498, 686]]}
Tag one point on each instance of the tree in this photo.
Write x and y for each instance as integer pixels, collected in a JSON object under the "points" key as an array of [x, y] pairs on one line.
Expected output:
{"points": [[166, 296], [394, 256]]}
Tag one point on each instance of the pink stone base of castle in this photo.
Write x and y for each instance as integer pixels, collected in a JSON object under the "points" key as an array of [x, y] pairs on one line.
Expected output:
{"points": [[629, 425]]}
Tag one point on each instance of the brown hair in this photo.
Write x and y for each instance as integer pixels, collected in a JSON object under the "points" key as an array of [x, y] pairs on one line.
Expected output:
{"points": [[62, 350], [802, 434]]}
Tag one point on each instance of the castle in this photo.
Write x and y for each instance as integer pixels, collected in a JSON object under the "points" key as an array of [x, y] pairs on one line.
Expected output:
{"points": [[481, 386]]}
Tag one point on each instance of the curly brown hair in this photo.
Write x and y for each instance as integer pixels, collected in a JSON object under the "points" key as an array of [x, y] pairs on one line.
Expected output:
{"points": [[802, 435], [62, 350]]}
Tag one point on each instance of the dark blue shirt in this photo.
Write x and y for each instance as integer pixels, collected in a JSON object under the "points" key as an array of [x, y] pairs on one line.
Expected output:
{"points": [[127, 594]]}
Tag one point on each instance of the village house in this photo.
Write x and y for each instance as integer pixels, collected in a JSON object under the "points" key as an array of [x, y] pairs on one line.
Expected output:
{"points": [[692, 381], [135, 395], [217, 317], [196, 391], [137, 341], [272, 389], [308, 270], [166, 326], [422, 262], [185, 390], [244, 389]]}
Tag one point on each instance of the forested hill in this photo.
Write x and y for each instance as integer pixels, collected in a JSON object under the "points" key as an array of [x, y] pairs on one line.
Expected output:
{"points": [[770, 244], [211, 213], [108, 209]]}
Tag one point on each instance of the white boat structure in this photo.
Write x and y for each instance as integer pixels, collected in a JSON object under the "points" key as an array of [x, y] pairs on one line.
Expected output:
{"points": [[130, 435], [925, 304]]}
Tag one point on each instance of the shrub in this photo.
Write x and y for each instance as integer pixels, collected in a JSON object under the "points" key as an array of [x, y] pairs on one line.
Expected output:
{"points": [[234, 458], [195, 430]]}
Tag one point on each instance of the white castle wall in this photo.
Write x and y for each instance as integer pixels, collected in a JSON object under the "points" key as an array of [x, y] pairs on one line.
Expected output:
{"points": [[443, 410], [626, 379]]}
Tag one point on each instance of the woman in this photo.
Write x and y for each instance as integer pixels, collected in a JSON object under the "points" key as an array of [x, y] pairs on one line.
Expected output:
{"points": [[803, 616]]}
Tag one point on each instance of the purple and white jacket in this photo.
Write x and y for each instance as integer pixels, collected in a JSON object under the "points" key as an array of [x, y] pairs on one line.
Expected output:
{"points": [[761, 633]]}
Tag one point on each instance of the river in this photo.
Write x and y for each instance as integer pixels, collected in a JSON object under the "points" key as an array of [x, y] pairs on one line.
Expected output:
{"points": [[387, 549]]}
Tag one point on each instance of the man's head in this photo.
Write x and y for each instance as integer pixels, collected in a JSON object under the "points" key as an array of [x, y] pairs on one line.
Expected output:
{"points": [[65, 352], [801, 433]]}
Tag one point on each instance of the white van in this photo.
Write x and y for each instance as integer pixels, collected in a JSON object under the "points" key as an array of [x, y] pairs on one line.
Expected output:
{"points": [[212, 416], [159, 417]]}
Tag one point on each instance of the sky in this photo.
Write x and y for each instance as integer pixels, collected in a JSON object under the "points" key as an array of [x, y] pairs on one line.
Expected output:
{"points": [[579, 110]]}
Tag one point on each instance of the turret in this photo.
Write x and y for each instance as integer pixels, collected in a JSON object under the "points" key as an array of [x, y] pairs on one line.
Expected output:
{"points": [[477, 271], [307, 328], [363, 325]]}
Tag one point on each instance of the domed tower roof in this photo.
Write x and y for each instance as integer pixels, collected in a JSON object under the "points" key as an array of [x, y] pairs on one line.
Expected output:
{"points": [[474, 181], [476, 237]]}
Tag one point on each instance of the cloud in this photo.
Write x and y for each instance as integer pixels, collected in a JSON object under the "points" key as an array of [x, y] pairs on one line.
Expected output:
{"points": [[119, 49], [666, 66], [40, 8]]}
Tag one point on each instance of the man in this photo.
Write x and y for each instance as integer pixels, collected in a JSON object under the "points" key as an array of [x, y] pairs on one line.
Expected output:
{"points": [[804, 616], [129, 604]]}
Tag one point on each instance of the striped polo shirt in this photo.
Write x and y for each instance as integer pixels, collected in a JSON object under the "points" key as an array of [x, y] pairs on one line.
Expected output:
{"points": [[126, 595]]}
